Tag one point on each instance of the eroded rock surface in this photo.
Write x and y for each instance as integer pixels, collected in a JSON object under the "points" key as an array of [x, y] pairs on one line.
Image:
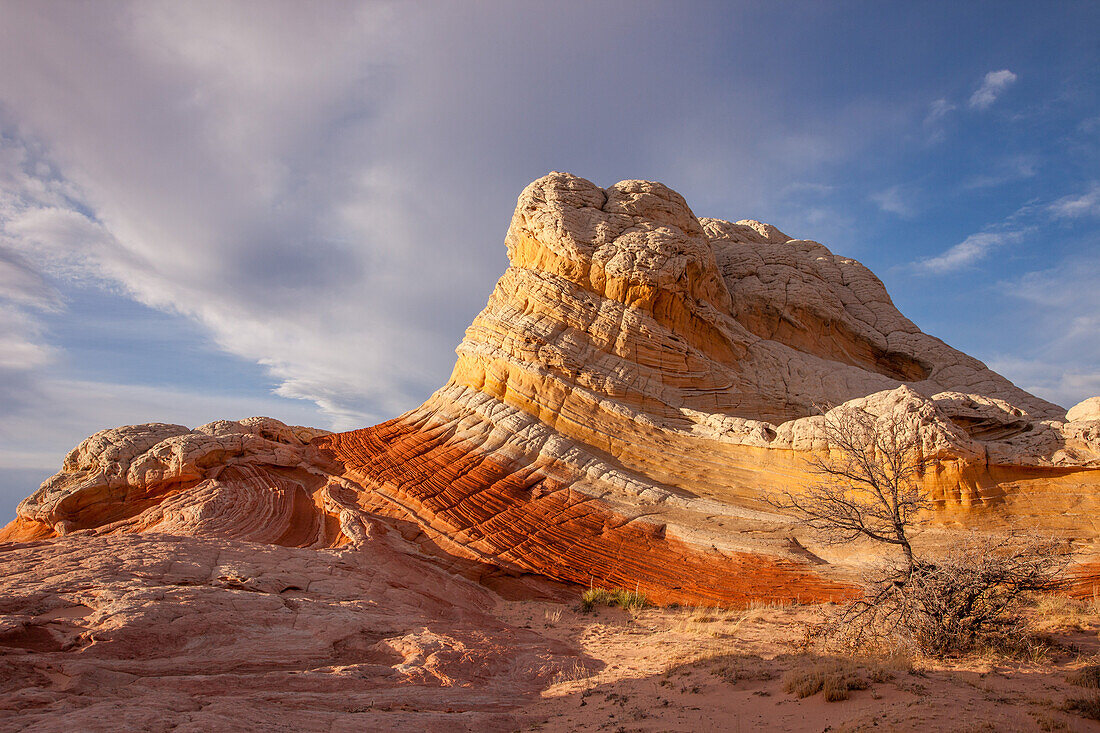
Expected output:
{"points": [[154, 632], [636, 382]]}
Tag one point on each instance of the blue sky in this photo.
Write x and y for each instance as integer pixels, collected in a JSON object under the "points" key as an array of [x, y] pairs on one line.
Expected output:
{"points": [[214, 210]]}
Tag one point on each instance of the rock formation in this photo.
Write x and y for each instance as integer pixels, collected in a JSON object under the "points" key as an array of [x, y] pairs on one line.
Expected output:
{"points": [[638, 380]]}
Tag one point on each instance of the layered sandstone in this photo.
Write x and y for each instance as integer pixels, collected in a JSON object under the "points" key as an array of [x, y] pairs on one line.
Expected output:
{"points": [[155, 632], [639, 379]]}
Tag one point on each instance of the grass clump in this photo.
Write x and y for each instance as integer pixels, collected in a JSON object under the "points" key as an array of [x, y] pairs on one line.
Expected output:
{"points": [[1087, 676], [630, 600], [715, 622], [1057, 612], [834, 678], [1086, 707]]}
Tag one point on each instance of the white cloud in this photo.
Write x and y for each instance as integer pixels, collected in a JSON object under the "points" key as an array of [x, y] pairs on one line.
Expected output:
{"points": [[1086, 204], [21, 347], [992, 85], [893, 201], [967, 252], [1008, 170], [938, 110], [327, 191], [933, 121], [1051, 379], [22, 284], [1063, 323], [210, 162]]}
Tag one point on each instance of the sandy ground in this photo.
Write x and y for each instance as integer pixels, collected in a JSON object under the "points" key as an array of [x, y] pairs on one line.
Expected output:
{"points": [[157, 633], [698, 670]]}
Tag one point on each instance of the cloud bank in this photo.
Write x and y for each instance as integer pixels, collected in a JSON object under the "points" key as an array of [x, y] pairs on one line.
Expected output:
{"points": [[323, 190], [312, 186]]}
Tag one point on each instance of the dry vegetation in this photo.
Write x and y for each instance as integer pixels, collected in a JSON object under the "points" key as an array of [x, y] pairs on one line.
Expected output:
{"points": [[834, 678], [980, 598], [925, 622], [971, 599], [626, 599], [702, 668]]}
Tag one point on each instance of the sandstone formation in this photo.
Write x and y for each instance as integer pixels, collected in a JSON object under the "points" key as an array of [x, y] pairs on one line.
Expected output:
{"points": [[638, 380], [151, 632]]}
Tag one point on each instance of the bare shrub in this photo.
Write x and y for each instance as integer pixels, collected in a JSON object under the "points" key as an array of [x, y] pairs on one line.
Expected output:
{"points": [[869, 487], [868, 483], [973, 600]]}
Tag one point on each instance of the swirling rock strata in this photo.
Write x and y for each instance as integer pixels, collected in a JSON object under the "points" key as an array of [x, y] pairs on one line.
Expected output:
{"points": [[638, 380]]}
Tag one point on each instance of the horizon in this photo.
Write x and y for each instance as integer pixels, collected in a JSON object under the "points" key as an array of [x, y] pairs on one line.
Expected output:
{"points": [[215, 211]]}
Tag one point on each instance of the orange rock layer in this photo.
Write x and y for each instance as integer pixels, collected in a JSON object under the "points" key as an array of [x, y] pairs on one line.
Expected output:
{"points": [[638, 381], [518, 517]]}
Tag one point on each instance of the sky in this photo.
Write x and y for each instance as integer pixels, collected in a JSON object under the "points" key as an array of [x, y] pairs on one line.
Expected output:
{"points": [[221, 209]]}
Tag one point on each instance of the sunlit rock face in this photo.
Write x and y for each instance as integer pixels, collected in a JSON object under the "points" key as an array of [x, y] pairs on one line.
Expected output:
{"points": [[638, 380]]}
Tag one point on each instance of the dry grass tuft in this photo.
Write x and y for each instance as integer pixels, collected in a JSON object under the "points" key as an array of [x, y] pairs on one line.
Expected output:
{"points": [[1048, 721], [1087, 676], [758, 610], [734, 668], [710, 621], [1060, 613], [575, 672], [630, 600], [1086, 707], [832, 677]]}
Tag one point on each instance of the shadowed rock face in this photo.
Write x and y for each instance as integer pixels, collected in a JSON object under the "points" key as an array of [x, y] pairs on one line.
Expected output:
{"points": [[636, 382]]}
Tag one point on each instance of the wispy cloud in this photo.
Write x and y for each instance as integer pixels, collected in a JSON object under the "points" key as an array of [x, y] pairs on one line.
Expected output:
{"points": [[991, 87], [967, 252], [1072, 207], [1008, 170], [934, 120], [1065, 323], [892, 200], [1062, 382], [327, 192], [938, 110]]}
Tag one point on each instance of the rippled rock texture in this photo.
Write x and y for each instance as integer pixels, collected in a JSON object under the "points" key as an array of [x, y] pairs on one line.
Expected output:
{"points": [[638, 379]]}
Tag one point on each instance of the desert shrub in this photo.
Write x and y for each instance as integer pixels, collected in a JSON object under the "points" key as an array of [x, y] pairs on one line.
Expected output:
{"points": [[629, 600], [831, 677], [972, 600], [1087, 676], [869, 486]]}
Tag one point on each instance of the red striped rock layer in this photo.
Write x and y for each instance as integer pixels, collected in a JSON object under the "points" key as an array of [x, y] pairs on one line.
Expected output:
{"points": [[530, 514], [638, 380], [690, 353], [250, 480]]}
